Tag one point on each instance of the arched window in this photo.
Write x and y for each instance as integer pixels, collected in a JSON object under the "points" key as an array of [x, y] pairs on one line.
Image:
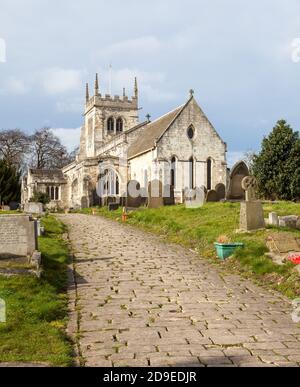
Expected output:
{"points": [[209, 174], [56, 193], [111, 183], [191, 168], [52, 194], [173, 171], [117, 185], [191, 132], [110, 125], [119, 125]]}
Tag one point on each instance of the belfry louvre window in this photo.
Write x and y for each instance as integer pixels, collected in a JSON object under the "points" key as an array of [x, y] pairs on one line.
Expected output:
{"points": [[110, 125], [119, 125]]}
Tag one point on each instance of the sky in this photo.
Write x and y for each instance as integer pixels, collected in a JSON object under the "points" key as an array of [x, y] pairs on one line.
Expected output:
{"points": [[242, 59]]}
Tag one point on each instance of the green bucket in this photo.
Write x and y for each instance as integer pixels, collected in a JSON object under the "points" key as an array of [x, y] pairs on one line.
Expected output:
{"points": [[226, 250]]}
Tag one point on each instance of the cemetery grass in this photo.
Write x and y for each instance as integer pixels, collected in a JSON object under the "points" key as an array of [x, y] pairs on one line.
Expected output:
{"points": [[198, 229], [37, 308]]}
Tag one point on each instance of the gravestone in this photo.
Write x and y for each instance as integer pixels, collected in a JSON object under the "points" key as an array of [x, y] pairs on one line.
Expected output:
{"points": [[5, 208], [155, 194], [281, 246], [2, 311], [18, 236], [282, 243], [34, 208], [273, 219], [134, 199], [113, 207], [221, 191], [195, 198], [14, 206], [169, 195], [288, 221], [84, 202], [252, 214], [238, 173], [212, 196]]}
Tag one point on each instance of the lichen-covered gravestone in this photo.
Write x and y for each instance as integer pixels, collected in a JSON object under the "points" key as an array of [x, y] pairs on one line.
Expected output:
{"points": [[133, 199], [281, 245], [18, 240], [155, 194], [212, 196], [195, 198], [221, 191], [2, 311], [252, 214], [34, 208]]}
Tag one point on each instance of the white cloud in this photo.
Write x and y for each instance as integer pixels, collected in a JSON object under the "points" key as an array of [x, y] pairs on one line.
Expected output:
{"points": [[13, 86], [138, 46], [58, 80], [69, 137], [2, 51]]}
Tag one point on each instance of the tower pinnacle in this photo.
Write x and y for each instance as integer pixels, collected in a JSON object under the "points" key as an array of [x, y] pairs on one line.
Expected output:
{"points": [[87, 93], [136, 90], [96, 85]]}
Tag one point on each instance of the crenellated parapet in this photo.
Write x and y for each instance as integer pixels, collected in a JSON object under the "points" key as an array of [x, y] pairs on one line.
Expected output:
{"points": [[110, 101]]}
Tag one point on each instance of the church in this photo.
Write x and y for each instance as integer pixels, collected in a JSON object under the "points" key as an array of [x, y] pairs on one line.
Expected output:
{"points": [[182, 149]]}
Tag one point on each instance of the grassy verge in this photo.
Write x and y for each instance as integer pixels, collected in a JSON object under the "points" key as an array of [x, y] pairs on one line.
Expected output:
{"points": [[199, 228], [37, 309]]}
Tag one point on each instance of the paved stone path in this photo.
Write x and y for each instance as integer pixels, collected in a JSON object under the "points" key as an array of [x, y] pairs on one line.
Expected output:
{"points": [[142, 302]]}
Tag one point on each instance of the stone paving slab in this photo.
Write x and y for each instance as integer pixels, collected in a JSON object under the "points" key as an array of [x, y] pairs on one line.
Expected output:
{"points": [[142, 302]]}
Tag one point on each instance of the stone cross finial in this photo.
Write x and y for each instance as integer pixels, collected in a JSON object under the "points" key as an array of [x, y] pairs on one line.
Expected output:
{"points": [[249, 184], [192, 92]]}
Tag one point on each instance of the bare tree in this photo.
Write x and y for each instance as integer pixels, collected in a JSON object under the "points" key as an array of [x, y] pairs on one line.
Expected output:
{"points": [[47, 152], [14, 144]]}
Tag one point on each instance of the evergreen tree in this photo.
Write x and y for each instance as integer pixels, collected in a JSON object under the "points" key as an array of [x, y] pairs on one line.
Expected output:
{"points": [[277, 167], [10, 187]]}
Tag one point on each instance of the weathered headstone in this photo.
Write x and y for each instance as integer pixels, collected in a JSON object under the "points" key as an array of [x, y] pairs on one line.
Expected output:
{"points": [[2, 311], [14, 206], [282, 243], [252, 214], [169, 196], [113, 206], [288, 221], [134, 199], [18, 236], [155, 194], [212, 196], [238, 173], [281, 246], [34, 208], [221, 191], [195, 198], [273, 219]]}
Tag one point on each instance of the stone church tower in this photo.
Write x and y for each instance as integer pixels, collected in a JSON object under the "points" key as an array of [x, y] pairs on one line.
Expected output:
{"points": [[105, 117]]}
